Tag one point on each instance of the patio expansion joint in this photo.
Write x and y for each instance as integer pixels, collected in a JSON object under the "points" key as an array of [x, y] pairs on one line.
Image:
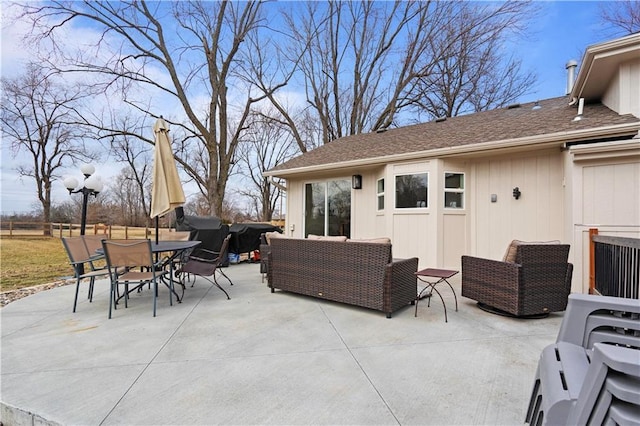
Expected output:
{"points": [[355, 359], [151, 361], [35, 323]]}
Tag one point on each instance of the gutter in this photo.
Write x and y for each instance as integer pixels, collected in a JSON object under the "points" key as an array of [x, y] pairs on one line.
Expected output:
{"points": [[537, 141]]}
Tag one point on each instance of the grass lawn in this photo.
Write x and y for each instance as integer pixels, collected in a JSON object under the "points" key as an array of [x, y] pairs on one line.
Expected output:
{"points": [[29, 261]]}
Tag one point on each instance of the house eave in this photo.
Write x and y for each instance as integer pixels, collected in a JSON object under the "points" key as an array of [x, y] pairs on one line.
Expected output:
{"points": [[620, 149], [493, 147], [600, 62]]}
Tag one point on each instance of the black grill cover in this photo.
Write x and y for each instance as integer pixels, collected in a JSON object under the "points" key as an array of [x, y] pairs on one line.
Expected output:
{"points": [[245, 237], [208, 229]]}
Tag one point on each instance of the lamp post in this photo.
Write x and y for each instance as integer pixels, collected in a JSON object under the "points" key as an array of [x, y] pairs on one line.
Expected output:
{"points": [[92, 186]]}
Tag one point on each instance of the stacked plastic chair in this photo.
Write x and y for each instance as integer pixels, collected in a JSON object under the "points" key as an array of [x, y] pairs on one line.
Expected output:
{"points": [[591, 375]]}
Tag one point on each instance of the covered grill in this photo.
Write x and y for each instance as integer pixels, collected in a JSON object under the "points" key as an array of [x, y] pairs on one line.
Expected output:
{"points": [[245, 237], [208, 229]]}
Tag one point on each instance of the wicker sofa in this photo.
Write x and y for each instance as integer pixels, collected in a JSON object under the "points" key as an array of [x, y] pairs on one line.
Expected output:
{"points": [[357, 273], [532, 279]]}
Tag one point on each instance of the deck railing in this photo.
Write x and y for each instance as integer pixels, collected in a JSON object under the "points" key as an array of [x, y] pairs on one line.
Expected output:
{"points": [[614, 266]]}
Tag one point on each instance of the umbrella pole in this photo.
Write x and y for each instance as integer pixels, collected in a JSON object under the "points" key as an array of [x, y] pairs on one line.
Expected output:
{"points": [[157, 232]]}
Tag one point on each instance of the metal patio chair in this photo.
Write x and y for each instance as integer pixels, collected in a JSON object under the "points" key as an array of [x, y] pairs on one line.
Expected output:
{"points": [[206, 263], [130, 262], [83, 265]]}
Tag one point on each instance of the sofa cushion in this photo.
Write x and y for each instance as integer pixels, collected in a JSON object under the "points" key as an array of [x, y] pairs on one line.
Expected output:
{"points": [[512, 250], [272, 235], [327, 237], [381, 240]]}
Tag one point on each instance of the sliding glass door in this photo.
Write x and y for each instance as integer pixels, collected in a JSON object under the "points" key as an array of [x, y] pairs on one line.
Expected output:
{"points": [[328, 208]]}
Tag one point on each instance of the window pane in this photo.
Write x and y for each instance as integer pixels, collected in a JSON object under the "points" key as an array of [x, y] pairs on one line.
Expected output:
{"points": [[453, 200], [380, 186], [314, 208], [380, 202], [454, 180], [411, 191], [339, 206]]}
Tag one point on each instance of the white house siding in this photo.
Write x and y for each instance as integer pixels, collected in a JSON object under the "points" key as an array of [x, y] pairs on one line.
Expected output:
{"points": [[606, 196], [295, 209], [622, 93], [611, 194], [414, 232], [455, 239], [365, 222], [538, 215]]}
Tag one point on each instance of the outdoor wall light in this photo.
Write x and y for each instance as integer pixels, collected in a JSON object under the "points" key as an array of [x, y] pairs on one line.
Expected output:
{"points": [[516, 193], [92, 185], [356, 181]]}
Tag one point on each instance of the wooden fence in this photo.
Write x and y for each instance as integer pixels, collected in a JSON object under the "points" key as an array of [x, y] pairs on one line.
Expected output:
{"points": [[614, 266], [11, 229]]}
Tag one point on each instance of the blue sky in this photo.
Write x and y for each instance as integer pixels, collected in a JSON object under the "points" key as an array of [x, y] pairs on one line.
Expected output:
{"points": [[561, 32]]}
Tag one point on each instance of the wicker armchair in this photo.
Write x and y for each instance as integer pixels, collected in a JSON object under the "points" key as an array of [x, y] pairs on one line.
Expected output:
{"points": [[537, 282]]}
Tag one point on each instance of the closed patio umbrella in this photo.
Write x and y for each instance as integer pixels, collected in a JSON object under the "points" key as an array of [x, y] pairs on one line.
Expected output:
{"points": [[166, 192]]}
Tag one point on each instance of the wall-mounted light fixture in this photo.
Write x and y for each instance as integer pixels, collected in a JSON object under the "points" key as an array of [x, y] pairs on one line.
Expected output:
{"points": [[516, 193], [356, 181]]}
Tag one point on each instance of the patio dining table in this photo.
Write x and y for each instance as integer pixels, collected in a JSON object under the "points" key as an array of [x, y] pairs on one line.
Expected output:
{"points": [[175, 249]]}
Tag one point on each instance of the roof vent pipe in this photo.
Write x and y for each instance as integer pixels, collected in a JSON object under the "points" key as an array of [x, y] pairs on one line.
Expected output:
{"points": [[571, 74], [580, 110]]}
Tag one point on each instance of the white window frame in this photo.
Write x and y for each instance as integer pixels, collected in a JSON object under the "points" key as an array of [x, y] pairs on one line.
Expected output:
{"points": [[395, 191], [380, 194], [455, 190]]}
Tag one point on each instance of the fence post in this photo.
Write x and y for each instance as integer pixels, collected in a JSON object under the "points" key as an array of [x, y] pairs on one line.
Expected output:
{"points": [[10, 228], [592, 261], [126, 232]]}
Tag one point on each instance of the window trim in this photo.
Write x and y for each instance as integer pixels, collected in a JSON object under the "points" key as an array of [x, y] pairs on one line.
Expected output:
{"points": [[380, 194], [395, 192], [455, 191], [325, 184]]}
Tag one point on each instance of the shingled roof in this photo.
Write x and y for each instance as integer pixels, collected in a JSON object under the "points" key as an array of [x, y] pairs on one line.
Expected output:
{"points": [[516, 123]]}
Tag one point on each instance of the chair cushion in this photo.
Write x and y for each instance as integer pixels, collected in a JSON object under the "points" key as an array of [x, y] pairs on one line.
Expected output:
{"points": [[512, 250]]}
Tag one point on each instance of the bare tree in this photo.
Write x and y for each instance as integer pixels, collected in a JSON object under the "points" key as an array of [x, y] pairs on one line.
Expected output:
{"points": [[136, 177], [357, 59], [365, 63], [185, 53], [38, 116], [469, 71], [267, 143], [623, 15], [125, 199]]}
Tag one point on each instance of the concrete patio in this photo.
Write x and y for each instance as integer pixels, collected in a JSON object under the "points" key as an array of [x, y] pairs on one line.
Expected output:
{"points": [[263, 358]]}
